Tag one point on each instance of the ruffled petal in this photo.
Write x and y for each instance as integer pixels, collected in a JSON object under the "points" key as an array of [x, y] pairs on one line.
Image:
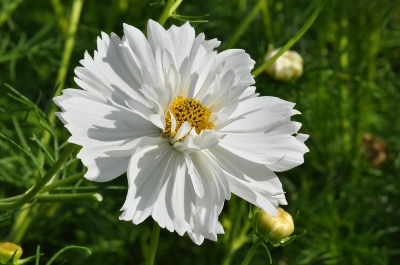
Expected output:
{"points": [[159, 38], [102, 129], [278, 152], [261, 132], [182, 41], [238, 61], [253, 182], [110, 72], [216, 191], [163, 191]]}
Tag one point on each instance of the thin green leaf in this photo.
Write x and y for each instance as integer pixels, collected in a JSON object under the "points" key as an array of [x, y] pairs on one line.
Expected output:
{"points": [[6, 219], [267, 250], [41, 145], [28, 153], [65, 249]]}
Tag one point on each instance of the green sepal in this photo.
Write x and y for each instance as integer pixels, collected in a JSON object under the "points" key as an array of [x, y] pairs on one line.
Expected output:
{"points": [[10, 261], [18, 262], [267, 250], [253, 217], [26, 260], [286, 241], [297, 214]]}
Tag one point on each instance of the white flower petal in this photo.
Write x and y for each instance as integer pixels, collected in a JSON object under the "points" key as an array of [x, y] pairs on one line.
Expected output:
{"points": [[159, 38], [249, 92], [216, 191], [139, 45], [302, 137], [195, 177], [102, 168], [101, 128], [157, 120], [240, 62], [139, 108], [146, 180], [253, 104], [250, 179], [163, 191], [182, 40], [183, 131], [266, 149], [109, 72]]}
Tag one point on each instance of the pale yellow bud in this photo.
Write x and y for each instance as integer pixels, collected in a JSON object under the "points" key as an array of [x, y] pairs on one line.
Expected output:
{"points": [[277, 228], [7, 250], [287, 67]]}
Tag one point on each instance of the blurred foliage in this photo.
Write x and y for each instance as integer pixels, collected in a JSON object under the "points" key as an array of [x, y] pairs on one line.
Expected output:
{"points": [[347, 191]]}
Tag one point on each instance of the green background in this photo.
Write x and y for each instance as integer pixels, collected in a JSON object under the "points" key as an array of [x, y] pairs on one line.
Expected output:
{"points": [[347, 191]]}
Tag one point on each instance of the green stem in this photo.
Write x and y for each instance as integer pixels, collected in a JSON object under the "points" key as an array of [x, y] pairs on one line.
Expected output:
{"points": [[62, 182], [235, 245], [21, 225], [291, 42], [175, 6], [153, 244], [251, 252], [66, 57], [344, 89], [88, 197], [169, 8], [8, 9], [245, 24], [50, 187], [63, 197], [39, 186], [165, 13], [267, 22], [69, 44]]}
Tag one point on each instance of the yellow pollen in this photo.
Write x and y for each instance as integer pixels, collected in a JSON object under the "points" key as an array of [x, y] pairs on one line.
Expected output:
{"points": [[189, 110]]}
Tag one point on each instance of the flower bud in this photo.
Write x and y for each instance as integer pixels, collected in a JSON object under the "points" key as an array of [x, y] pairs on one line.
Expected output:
{"points": [[277, 228], [287, 67], [7, 250]]}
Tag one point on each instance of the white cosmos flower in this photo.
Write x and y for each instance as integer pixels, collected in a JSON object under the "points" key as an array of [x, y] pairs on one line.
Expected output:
{"points": [[185, 124]]}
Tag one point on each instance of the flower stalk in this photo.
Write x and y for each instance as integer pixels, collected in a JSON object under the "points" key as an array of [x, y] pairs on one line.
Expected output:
{"points": [[153, 244], [245, 24], [291, 42], [169, 8], [87, 197], [66, 57], [252, 250]]}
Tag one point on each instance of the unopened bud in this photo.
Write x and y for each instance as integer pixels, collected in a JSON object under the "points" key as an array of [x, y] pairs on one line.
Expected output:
{"points": [[7, 250], [277, 228], [287, 67]]}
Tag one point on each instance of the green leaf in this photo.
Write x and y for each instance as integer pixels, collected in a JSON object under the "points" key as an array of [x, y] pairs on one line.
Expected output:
{"points": [[6, 219], [41, 145], [27, 152], [40, 115], [194, 19]]}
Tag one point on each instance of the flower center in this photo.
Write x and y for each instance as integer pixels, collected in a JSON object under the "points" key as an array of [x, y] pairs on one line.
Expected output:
{"points": [[189, 110]]}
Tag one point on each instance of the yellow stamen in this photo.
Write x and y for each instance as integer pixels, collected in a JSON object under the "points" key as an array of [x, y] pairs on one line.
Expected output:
{"points": [[189, 110]]}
